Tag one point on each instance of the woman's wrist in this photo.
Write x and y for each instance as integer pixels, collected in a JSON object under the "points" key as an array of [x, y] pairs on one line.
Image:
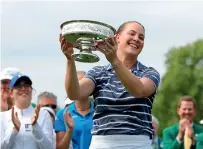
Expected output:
{"points": [[70, 130], [15, 129], [70, 61], [116, 64]]}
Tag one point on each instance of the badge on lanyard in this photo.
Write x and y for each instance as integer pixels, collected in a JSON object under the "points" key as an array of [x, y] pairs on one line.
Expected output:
{"points": [[28, 127]]}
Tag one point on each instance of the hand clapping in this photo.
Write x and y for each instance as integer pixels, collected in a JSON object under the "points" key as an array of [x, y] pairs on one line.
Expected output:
{"points": [[15, 119], [35, 115], [68, 120]]}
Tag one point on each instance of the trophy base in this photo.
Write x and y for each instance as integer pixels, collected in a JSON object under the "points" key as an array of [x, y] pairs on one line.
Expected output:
{"points": [[85, 57]]}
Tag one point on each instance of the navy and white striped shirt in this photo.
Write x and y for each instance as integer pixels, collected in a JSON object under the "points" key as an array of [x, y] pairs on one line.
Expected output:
{"points": [[117, 112]]}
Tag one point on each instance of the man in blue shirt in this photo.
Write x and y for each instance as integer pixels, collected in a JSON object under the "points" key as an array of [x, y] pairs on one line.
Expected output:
{"points": [[82, 113]]}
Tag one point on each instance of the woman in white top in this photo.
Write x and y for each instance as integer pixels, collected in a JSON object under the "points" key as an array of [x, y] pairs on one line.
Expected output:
{"points": [[24, 127]]}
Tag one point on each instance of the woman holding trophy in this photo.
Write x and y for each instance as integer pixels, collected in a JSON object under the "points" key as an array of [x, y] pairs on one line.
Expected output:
{"points": [[123, 90]]}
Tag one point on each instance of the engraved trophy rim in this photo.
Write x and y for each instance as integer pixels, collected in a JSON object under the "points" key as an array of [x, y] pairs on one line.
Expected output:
{"points": [[89, 21]]}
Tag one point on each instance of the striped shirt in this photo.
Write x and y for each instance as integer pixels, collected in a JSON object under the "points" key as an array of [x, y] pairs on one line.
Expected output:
{"points": [[117, 112]]}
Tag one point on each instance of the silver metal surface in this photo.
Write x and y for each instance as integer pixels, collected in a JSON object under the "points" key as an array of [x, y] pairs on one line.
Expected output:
{"points": [[85, 35]]}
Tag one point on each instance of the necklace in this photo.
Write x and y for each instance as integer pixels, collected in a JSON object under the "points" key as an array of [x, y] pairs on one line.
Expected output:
{"points": [[83, 109]]}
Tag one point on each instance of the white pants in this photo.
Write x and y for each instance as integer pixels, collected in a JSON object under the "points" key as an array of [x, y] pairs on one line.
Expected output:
{"points": [[120, 142]]}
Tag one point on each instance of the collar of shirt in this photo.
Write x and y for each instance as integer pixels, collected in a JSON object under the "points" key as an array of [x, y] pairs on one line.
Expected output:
{"points": [[72, 108], [136, 66], [22, 111]]}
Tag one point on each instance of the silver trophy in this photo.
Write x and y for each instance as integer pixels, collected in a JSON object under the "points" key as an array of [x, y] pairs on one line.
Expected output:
{"points": [[85, 35]]}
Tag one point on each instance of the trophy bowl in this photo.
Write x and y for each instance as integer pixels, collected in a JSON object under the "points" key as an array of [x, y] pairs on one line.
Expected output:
{"points": [[85, 35]]}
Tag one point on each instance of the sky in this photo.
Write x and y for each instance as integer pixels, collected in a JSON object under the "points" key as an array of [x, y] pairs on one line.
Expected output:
{"points": [[30, 31]]}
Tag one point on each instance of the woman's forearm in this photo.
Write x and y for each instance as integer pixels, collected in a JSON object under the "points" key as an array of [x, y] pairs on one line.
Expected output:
{"points": [[130, 81], [71, 81], [65, 142]]}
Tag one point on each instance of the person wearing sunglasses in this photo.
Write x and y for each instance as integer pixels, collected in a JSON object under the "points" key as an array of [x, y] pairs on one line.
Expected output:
{"points": [[52, 115], [24, 127], [48, 99]]}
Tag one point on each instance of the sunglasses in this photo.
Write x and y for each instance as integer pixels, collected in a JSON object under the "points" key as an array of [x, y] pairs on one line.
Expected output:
{"points": [[50, 106]]}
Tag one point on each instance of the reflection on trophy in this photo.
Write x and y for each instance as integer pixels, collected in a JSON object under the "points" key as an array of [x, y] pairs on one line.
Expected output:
{"points": [[85, 35]]}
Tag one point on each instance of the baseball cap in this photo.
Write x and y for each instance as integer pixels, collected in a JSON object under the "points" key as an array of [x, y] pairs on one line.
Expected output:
{"points": [[68, 101], [17, 78], [201, 122], [9, 73], [155, 119]]}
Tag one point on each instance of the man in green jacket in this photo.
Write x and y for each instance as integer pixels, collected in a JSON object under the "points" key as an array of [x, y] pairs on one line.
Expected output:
{"points": [[199, 144], [173, 137]]}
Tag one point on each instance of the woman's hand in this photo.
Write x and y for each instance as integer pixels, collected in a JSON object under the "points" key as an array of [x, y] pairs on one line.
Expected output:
{"points": [[109, 48], [35, 115], [68, 120], [15, 119], [66, 47]]}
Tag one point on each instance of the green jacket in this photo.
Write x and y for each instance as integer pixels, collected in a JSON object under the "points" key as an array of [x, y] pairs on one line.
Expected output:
{"points": [[170, 134], [33, 105], [199, 144]]}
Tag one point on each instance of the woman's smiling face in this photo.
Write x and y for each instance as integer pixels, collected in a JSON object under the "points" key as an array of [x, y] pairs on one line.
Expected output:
{"points": [[131, 39]]}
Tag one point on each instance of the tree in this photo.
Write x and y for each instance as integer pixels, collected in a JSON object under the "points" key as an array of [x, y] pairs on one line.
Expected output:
{"points": [[184, 76]]}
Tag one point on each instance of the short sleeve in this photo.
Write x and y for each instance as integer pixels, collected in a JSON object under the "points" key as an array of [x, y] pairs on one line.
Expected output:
{"points": [[91, 74], [153, 75], [59, 124]]}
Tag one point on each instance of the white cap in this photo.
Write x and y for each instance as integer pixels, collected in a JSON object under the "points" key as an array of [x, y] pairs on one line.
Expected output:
{"points": [[201, 122], [49, 110], [155, 119], [68, 101], [9, 73]]}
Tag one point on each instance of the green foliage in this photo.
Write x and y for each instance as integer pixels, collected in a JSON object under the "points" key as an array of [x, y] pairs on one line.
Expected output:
{"points": [[184, 76]]}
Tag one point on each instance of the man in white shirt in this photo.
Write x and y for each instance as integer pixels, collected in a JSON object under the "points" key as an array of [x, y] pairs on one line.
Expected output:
{"points": [[24, 127], [52, 115]]}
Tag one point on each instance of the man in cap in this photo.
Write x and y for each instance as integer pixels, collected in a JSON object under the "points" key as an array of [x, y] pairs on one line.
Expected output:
{"points": [[5, 76]]}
